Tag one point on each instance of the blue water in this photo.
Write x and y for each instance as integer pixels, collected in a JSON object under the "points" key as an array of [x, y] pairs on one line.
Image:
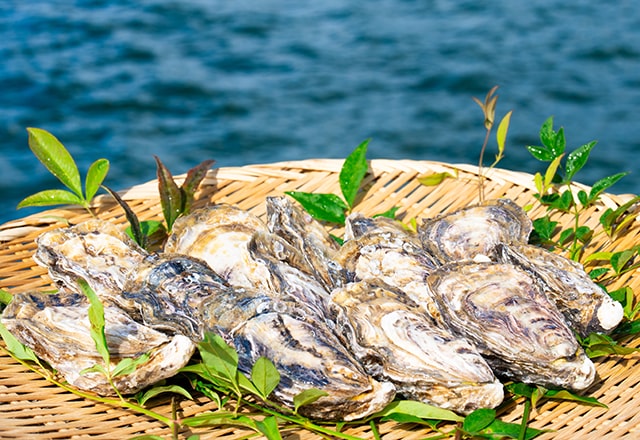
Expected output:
{"points": [[259, 81]]}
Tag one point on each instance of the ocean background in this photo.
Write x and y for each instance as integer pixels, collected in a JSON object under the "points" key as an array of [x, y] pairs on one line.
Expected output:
{"points": [[246, 82]]}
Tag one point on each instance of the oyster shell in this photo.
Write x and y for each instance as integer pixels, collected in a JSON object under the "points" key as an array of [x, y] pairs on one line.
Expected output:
{"points": [[287, 268], [219, 235], [57, 328], [502, 309], [94, 250], [474, 232], [287, 219], [585, 305], [397, 342], [379, 249]]}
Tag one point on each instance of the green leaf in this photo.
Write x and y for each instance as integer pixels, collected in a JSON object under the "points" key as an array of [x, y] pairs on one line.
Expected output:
{"points": [[547, 134], [307, 397], [269, 427], [598, 272], [17, 348], [219, 357], [434, 179], [192, 182], [5, 297], [418, 409], [567, 395], [501, 133], [264, 376], [171, 197], [51, 197], [537, 180], [559, 144], [353, 171], [96, 319], [583, 198], [577, 159], [604, 184], [129, 365], [499, 429], [544, 227], [478, 420], [138, 236], [552, 170], [55, 157], [324, 207], [628, 328], [541, 153], [147, 228], [583, 233], [95, 176], [391, 213], [620, 259], [565, 236], [143, 397], [596, 345]]}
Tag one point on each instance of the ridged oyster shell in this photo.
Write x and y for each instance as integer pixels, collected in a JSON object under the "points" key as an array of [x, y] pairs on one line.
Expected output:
{"points": [[57, 328], [219, 235], [475, 231], [585, 305], [287, 219], [378, 248], [396, 341], [502, 309]]}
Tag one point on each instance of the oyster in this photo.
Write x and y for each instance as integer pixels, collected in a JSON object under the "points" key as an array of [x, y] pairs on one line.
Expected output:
{"points": [[57, 328], [378, 248], [95, 250], [287, 219], [502, 309], [585, 305], [287, 270], [397, 342], [219, 235], [474, 232]]}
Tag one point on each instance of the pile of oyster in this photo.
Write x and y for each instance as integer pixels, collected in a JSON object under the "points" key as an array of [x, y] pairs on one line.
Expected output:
{"points": [[436, 316]]}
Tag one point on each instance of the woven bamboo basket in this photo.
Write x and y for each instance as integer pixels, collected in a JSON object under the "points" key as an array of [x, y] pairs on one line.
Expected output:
{"points": [[31, 407]]}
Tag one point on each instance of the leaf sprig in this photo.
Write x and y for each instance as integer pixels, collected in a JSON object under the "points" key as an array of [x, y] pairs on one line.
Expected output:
{"points": [[55, 157]]}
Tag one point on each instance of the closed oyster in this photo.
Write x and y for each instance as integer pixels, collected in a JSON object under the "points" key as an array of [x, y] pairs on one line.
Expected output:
{"points": [[288, 271], [397, 342], [585, 305], [502, 309], [219, 235], [57, 328], [474, 232], [377, 248], [287, 219], [95, 250]]}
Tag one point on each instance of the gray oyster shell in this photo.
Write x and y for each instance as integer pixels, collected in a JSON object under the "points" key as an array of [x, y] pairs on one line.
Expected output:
{"points": [[585, 305], [380, 249], [219, 235], [474, 232], [57, 328], [94, 250], [397, 342], [287, 219], [502, 309]]}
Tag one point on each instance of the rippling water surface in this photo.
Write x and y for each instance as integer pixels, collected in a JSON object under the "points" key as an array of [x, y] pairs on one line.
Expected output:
{"points": [[250, 82]]}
